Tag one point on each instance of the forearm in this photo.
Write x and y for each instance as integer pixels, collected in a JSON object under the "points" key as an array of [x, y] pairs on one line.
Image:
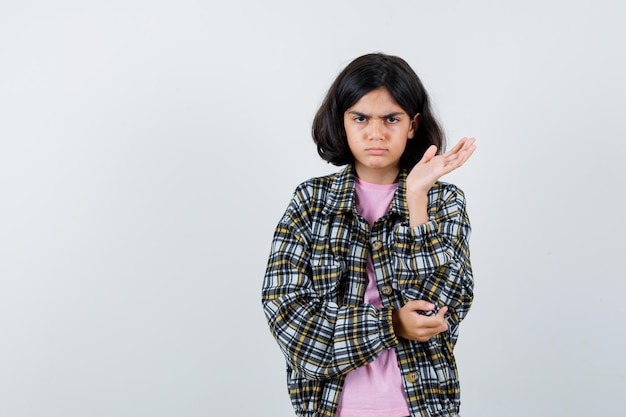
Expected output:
{"points": [[322, 340], [418, 209], [432, 259], [319, 338], [433, 267]]}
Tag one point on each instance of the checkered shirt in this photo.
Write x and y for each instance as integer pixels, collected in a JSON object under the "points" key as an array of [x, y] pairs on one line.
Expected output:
{"points": [[315, 281]]}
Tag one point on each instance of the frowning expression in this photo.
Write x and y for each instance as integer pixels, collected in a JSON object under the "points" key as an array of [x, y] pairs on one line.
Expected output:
{"points": [[377, 129]]}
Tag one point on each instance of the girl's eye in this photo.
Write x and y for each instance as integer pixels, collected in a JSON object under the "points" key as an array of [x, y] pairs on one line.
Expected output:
{"points": [[392, 120], [360, 119]]}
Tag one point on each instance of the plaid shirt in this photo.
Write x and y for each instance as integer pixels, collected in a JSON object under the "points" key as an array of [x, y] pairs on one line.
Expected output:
{"points": [[316, 277]]}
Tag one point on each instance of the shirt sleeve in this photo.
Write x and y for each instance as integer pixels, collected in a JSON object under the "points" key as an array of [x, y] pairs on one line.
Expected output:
{"points": [[432, 261], [319, 338]]}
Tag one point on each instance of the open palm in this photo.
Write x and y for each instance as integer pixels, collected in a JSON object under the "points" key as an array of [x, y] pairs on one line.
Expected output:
{"points": [[432, 166]]}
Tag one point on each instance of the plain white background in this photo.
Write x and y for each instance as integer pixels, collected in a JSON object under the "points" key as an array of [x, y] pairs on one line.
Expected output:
{"points": [[148, 148]]}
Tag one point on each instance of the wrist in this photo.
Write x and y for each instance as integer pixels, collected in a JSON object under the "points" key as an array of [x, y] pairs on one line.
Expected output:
{"points": [[396, 323], [418, 210]]}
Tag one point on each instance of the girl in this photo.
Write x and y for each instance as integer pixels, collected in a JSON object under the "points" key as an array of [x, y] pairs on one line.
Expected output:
{"points": [[369, 273]]}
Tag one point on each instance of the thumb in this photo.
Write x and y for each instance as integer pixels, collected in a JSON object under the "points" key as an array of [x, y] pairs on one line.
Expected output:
{"points": [[419, 305], [429, 154], [442, 312]]}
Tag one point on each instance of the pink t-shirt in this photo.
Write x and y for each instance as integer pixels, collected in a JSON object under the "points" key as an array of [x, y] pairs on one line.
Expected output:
{"points": [[374, 390]]}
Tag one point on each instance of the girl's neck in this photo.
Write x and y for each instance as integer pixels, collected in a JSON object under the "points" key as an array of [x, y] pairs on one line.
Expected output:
{"points": [[377, 176]]}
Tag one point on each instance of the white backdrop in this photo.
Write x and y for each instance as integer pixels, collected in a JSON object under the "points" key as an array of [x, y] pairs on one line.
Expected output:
{"points": [[148, 149]]}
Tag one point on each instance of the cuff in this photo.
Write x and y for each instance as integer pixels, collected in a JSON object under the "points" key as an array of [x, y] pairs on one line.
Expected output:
{"points": [[409, 238], [385, 320]]}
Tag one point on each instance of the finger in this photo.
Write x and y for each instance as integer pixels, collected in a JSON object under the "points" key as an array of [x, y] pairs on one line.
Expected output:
{"points": [[420, 305], [460, 158], [456, 160], [469, 145], [442, 312], [465, 155], [470, 141], [434, 324], [459, 145], [429, 154], [438, 319], [467, 140]]}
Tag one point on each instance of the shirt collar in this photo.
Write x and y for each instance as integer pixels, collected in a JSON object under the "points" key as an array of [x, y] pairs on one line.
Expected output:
{"points": [[341, 195]]}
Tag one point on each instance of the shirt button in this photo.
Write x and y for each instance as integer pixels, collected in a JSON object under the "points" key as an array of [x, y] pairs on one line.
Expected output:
{"points": [[377, 245], [413, 377], [386, 290]]}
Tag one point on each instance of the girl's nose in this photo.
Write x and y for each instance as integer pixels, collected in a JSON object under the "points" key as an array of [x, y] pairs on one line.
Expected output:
{"points": [[376, 130]]}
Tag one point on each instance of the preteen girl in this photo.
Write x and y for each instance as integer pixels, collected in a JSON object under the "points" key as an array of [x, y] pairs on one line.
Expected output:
{"points": [[369, 273]]}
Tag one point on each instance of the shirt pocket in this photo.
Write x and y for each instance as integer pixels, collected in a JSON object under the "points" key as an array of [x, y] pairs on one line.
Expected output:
{"points": [[327, 277]]}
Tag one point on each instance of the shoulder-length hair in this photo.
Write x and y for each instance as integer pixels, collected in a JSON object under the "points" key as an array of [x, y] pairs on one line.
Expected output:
{"points": [[364, 74]]}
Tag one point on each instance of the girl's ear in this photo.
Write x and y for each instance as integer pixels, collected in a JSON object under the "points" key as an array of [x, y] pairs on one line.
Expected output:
{"points": [[415, 122]]}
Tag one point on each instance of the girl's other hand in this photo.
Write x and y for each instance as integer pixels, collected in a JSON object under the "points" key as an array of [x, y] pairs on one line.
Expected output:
{"points": [[409, 324]]}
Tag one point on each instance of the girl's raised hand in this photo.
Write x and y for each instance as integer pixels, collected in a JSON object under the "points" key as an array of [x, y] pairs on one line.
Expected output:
{"points": [[432, 166]]}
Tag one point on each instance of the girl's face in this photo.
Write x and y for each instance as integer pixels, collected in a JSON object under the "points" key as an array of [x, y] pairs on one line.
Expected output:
{"points": [[377, 129]]}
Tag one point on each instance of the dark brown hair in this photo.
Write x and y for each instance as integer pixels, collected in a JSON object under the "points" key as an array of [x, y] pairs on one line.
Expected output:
{"points": [[364, 74]]}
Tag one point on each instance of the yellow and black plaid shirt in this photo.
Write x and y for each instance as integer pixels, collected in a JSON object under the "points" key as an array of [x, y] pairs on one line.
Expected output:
{"points": [[316, 277]]}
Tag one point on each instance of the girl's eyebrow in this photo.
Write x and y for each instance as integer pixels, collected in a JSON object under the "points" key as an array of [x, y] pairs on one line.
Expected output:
{"points": [[384, 116]]}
